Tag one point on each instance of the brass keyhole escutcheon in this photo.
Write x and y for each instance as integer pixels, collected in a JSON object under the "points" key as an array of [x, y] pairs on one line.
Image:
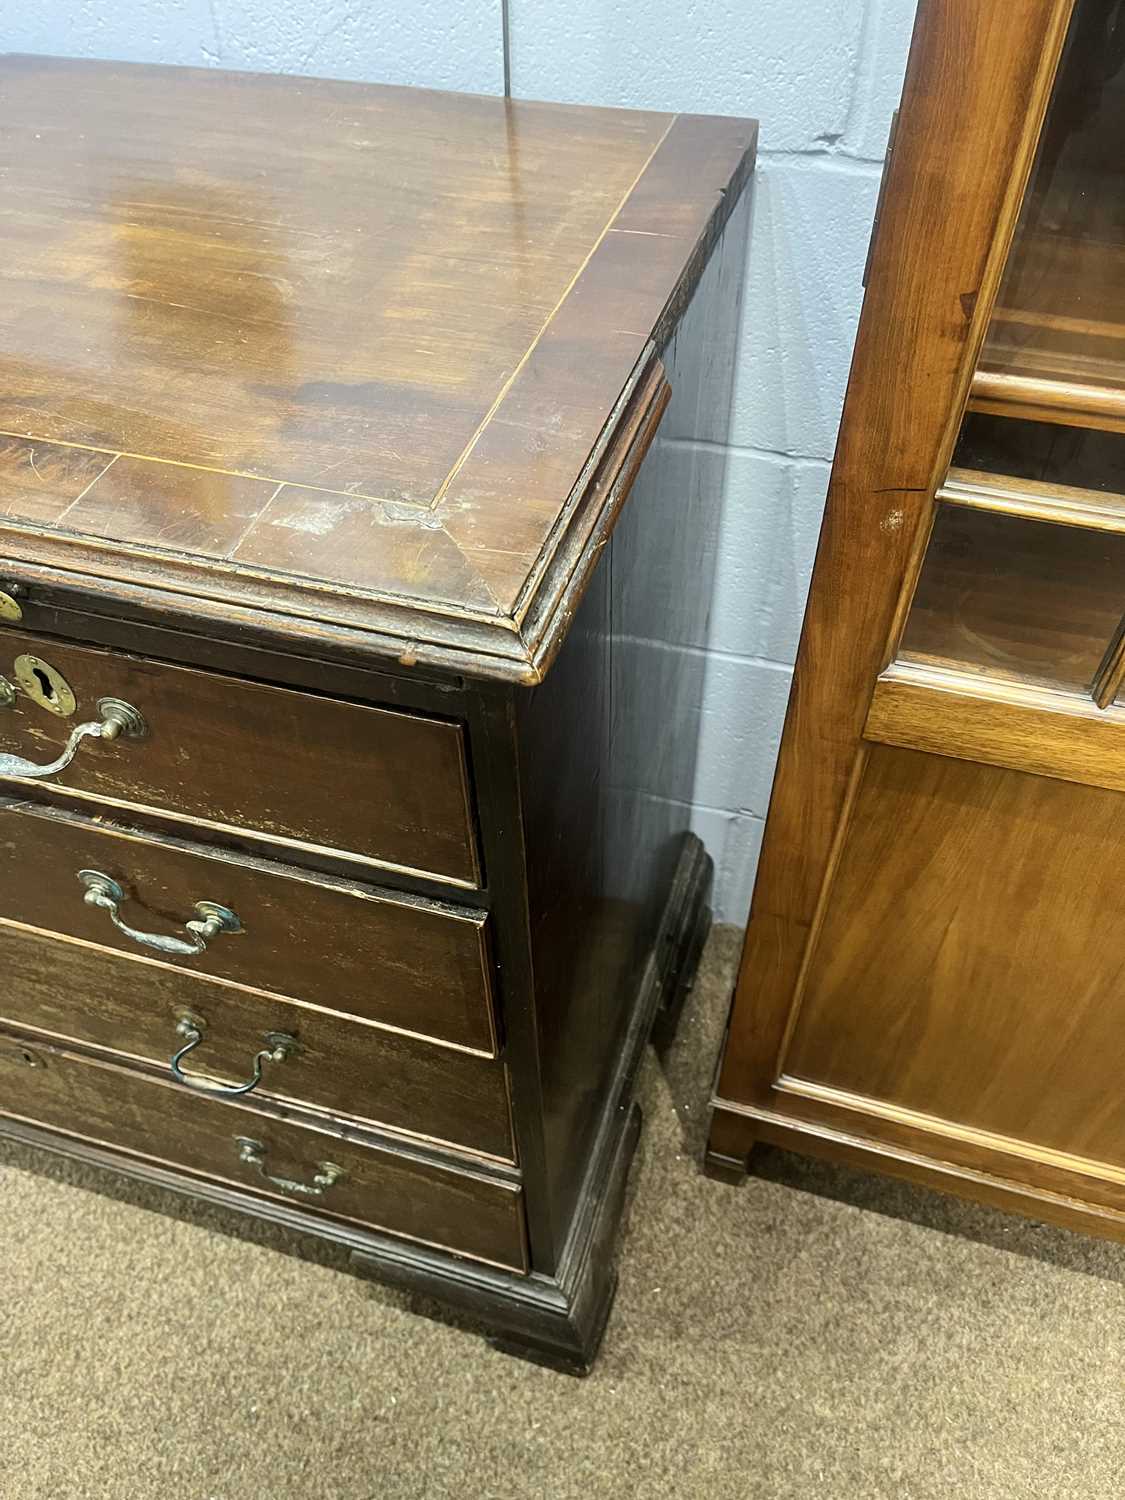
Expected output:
{"points": [[11, 612], [45, 685]]}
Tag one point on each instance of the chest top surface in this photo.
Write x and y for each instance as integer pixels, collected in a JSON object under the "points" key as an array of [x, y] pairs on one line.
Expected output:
{"points": [[354, 355]]}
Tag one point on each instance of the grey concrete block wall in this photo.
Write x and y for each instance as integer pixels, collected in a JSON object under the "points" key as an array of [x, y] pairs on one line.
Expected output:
{"points": [[824, 77], [441, 44]]}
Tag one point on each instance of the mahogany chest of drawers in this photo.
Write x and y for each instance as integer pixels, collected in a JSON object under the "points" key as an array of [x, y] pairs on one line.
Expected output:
{"points": [[345, 738]]}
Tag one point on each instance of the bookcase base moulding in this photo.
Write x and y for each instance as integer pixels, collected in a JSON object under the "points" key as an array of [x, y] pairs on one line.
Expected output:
{"points": [[355, 465]]}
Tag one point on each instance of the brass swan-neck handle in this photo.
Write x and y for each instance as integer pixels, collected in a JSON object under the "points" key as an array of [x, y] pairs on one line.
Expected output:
{"points": [[209, 921], [116, 719]]}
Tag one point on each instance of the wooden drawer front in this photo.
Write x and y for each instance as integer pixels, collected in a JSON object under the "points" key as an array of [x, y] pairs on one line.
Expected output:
{"points": [[348, 1069], [379, 1187], [402, 962], [291, 767]]}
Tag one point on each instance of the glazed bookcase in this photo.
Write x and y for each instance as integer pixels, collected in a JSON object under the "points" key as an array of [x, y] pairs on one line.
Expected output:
{"points": [[931, 982]]}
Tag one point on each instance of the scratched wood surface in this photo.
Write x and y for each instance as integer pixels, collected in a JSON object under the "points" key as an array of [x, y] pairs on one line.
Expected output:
{"points": [[417, 966], [392, 1190], [246, 758], [363, 336], [131, 1008]]}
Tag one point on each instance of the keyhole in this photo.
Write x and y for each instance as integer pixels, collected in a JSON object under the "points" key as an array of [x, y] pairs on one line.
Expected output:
{"points": [[45, 686]]}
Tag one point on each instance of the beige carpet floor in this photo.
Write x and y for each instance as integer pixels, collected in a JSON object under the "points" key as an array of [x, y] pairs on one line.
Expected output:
{"points": [[814, 1333]]}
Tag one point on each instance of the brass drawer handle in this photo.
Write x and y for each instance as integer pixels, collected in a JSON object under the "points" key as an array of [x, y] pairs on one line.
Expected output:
{"points": [[279, 1046], [117, 719], [253, 1153], [210, 921]]}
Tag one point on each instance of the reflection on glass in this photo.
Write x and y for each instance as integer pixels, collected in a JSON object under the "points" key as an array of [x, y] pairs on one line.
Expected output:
{"points": [[1060, 314], [1027, 601], [1077, 457]]}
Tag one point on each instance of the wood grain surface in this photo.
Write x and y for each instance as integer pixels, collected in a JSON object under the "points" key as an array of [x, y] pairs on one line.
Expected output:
{"points": [[1035, 500], [415, 965], [395, 1191], [130, 1007], [952, 713], [977, 86], [317, 284], [348, 341], [242, 755], [993, 958]]}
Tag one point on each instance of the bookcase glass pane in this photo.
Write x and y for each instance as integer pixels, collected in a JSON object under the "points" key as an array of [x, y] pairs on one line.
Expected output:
{"points": [[1080, 457], [1027, 601], [1060, 313]]}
